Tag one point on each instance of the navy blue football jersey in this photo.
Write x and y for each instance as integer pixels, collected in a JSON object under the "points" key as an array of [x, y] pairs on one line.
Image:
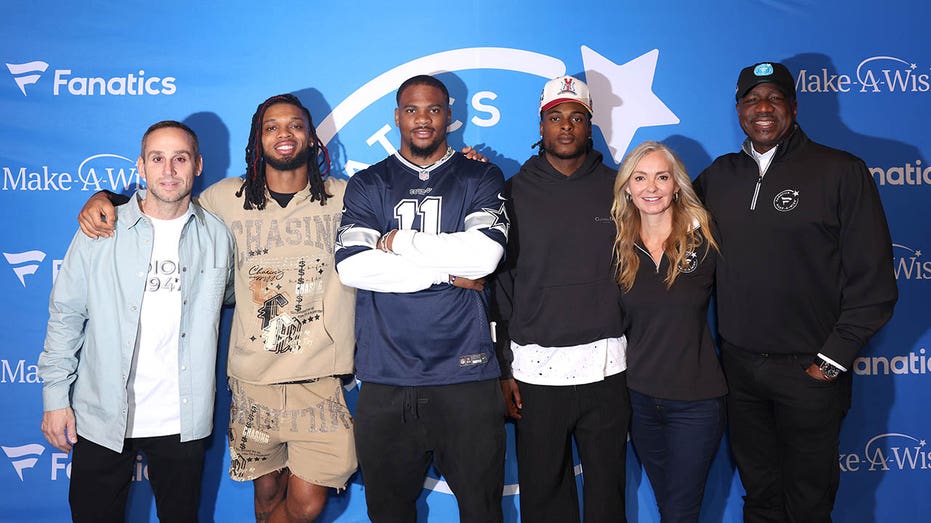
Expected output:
{"points": [[437, 335]]}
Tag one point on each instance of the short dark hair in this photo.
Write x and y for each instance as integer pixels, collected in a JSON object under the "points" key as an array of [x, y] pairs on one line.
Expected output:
{"points": [[171, 124], [422, 79]]}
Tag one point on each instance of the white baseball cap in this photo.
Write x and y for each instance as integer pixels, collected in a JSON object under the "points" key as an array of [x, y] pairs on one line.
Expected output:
{"points": [[565, 89]]}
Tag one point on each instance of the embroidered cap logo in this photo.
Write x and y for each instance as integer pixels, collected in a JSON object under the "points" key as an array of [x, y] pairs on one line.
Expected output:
{"points": [[763, 70], [568, 86]]}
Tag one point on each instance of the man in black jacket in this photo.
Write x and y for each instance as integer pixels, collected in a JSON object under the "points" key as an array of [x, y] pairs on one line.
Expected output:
{"points": [[805, 279], [559, 324]]}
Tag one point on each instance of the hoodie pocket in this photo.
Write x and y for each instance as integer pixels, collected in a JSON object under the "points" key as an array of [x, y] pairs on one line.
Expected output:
{"points": [[573, 314]]}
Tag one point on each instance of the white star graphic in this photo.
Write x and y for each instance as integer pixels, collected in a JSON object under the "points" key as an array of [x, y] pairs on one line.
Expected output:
{"points": [[502, 222], [623, 99], [339, 233]]}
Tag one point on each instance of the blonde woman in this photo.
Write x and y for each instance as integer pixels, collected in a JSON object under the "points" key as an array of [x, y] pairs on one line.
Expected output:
{"points": [[666, 257]]}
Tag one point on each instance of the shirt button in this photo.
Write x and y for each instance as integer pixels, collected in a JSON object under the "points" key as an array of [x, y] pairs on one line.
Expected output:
{"points": [[183, 334], [183, 367], [133, 308], [184, 400]]}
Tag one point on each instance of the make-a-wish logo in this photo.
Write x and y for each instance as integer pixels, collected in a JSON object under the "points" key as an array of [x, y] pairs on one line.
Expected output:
{"points": [[909, 264], [27, 73], [99, 171], [17, 371], [65, 82], [876, 74], [23, 457], [891, 451], [24, 263], [629, 85]]}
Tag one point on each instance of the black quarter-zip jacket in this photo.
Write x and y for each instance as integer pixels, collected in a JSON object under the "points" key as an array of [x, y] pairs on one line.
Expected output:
{"points": [[806, 263]]}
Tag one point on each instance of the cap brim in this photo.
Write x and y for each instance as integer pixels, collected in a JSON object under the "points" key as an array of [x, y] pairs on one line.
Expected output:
{"points": [[779, 86], [554, 103]]}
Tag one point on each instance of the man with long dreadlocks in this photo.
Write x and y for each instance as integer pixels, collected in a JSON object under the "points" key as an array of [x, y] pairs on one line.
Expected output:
{"points": [[414, 225], [292, 335], [558, 322]]}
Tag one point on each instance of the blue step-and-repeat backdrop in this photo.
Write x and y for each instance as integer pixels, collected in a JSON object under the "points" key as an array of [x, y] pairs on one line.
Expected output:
{"points": [[81, 81]]}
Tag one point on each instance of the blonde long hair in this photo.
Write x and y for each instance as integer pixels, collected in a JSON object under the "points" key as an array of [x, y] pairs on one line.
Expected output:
{"points": [[691, 226]]}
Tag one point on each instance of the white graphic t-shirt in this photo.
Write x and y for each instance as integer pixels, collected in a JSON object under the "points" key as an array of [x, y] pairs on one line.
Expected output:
{"points": [[153, 382]]}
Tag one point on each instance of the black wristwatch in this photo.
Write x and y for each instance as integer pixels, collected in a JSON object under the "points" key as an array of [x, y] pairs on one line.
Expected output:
{"points": [[830, 371]]}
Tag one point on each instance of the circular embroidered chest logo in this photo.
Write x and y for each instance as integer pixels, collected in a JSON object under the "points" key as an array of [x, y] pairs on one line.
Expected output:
{"points": [[690, 263], [786, 200]]}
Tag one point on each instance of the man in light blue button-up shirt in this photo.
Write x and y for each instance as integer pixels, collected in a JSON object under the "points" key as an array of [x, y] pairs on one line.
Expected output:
{"points": [[130, 355]]}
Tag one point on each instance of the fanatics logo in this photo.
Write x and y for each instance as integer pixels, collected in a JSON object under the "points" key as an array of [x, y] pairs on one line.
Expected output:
{"points": [[910, 364], [690, 263], [23, 457], [24, 263], [64, 82], [27, 73], [786, 200]]}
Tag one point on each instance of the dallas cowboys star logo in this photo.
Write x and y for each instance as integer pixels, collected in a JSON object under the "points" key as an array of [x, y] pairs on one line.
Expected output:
{"points": [[339, 235], [502, 222]]}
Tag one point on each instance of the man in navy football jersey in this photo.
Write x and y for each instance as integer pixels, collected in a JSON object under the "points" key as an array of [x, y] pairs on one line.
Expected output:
{"points": [[417, 228]]}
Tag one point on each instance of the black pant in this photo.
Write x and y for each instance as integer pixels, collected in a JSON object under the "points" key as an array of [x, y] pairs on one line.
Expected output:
{"points": [[785, 434], [100, 478], [597, 415], [461, 427]]}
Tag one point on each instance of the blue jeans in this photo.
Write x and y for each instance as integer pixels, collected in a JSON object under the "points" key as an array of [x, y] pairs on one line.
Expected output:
{"points": [[676, 442]]}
